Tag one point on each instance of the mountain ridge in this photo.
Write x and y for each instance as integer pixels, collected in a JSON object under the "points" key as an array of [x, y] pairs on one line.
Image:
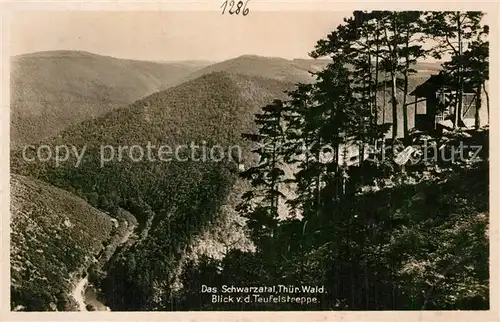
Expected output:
{"points": [[282, 69], [52, 90]]}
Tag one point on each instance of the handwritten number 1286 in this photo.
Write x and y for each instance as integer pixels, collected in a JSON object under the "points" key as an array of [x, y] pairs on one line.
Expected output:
{"points": [[240, 7]]}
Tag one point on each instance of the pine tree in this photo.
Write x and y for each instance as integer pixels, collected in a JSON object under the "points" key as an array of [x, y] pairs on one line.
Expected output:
{"points": [[342, 113], [260, 204], [476, 69], [390, 60], [479, 64], [301, 133], [356, 242], [411, 23], [454, 31]]}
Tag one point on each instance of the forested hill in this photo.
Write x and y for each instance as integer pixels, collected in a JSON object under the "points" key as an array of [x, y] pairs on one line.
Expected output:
{"points": [[52, 90], [285, 70], [55, 237], [177, 200]]}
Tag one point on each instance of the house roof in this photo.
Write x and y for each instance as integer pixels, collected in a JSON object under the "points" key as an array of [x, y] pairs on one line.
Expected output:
{"points": [[433, 84]]}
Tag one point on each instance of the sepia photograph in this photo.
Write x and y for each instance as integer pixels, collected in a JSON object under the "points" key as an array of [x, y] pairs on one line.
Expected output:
{"points": [[245, 160]]}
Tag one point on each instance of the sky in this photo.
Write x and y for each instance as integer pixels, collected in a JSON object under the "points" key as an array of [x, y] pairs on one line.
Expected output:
{"points": [[167, 36], [175, 35]]}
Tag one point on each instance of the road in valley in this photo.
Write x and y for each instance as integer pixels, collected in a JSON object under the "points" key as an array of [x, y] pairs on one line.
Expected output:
{"points": [[84, 294]]}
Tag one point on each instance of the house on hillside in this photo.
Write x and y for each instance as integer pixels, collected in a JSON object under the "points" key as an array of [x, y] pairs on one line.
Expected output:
{"points": [[430, 108], [434, 106]]}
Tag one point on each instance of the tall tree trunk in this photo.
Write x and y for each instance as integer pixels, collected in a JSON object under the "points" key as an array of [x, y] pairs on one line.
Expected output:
{"points": [[384, 103], [274, 164], [477, 116], [274, 208], [394, 104], [377, 49], [393, 71], [460, 89], [373, 120], [405, 90], [487, 101], [318, 184]]}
